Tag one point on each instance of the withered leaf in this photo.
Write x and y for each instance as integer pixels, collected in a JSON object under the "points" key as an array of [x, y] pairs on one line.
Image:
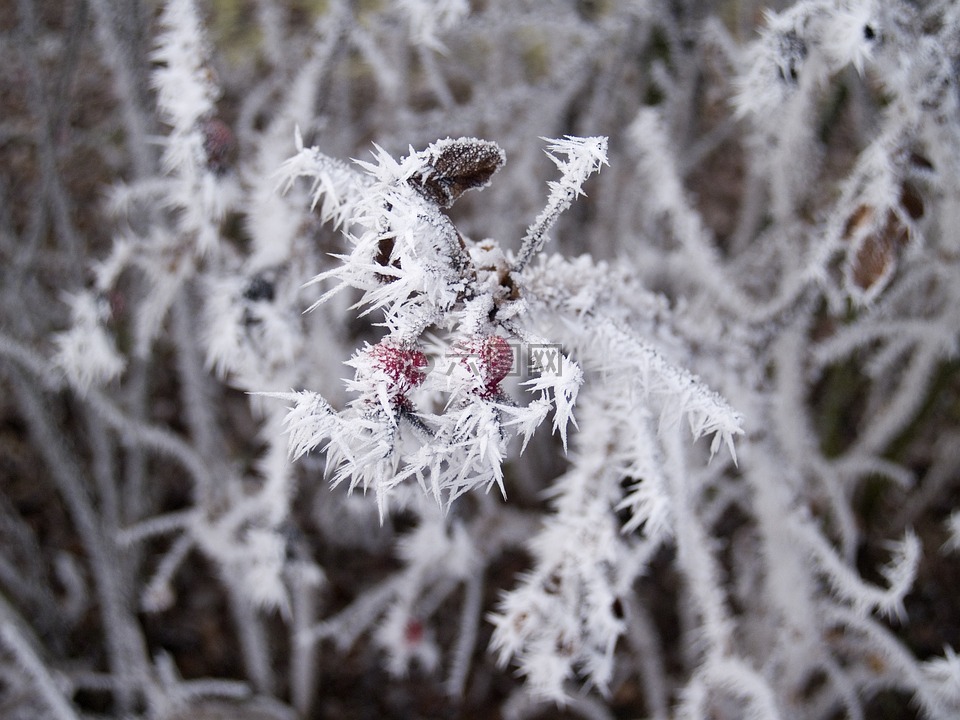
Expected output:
{"points": [[877, 254], [451, 167], [873, 261], [859, 218]]}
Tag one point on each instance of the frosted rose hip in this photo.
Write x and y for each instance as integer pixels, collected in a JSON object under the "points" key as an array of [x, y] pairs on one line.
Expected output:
{"points": [[402, 366], [490, 357]]}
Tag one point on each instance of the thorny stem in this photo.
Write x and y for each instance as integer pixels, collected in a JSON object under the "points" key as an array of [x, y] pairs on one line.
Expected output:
{"points": [[13, 637], [127, 651], [303, 662], [470, 615], [149, 436], [50, 177], [126, 84], [252, 635], [693, 553], [536, 238], [643, 637], [195, 393]]}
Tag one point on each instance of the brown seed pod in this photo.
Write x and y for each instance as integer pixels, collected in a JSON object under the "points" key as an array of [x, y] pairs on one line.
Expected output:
{"points": [[874, 260], [454, 166], [877, 253], [860, 218]]}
